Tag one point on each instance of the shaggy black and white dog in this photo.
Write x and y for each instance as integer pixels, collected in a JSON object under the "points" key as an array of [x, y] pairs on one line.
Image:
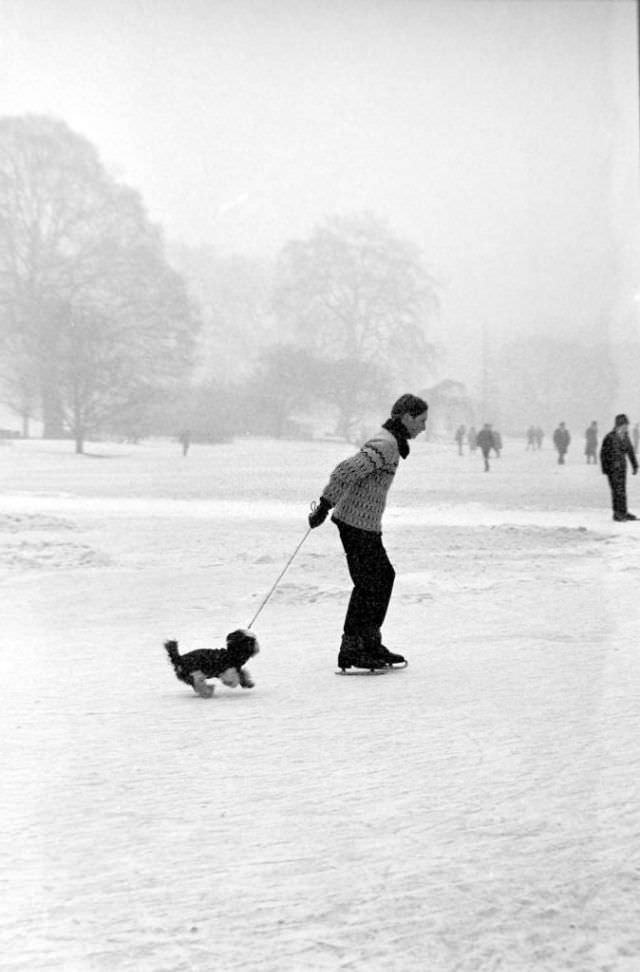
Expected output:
{"points": [[195, 667]]}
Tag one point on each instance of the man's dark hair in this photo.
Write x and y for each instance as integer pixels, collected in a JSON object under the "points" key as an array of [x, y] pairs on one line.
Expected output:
{"points": [[408, 403]]}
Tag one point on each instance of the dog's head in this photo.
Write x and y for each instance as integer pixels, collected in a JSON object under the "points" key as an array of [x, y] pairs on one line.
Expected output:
{"points": [[242, 645]]}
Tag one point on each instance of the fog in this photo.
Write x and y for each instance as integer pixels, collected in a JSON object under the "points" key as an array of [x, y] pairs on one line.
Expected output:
{"points": [[500, 137]]}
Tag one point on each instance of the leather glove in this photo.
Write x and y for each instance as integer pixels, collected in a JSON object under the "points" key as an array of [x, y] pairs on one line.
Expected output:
{"points": [[319, 512]]}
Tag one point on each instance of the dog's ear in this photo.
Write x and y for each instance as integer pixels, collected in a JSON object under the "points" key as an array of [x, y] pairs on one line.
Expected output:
{"points": [[242, 644], [239, 637]]}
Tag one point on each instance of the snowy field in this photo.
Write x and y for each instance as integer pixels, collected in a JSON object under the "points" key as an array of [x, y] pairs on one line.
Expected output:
{"points": [[479, 811]]}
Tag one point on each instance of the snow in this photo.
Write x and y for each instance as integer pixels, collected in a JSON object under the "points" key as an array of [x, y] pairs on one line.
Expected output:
{"points": [[478, 811]]}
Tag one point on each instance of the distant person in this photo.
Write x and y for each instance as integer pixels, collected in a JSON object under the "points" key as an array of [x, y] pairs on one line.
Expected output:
{"points": [[185, 441], [472, 439], [485, 443], [531, 438], [497, 442], [459, 437], [591, 443], [357, 493], [616, 449], [635, 436], [539, 436], [561, 440]]}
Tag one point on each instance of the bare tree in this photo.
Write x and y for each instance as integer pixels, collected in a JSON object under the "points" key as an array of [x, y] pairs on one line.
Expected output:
{"points": [[233, 293], [86, 294], [353, 290], [282, 384], [19, 384]]}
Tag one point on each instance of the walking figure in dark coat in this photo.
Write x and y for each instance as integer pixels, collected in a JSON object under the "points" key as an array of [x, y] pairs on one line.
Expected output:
{"points": [[486, 443], [185, 441], [591, 443], [561, 440], [616, 449], [531, 438]]}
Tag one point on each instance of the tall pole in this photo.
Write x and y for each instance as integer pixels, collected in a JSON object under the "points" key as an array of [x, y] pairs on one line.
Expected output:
{"points": [[485, 368]]}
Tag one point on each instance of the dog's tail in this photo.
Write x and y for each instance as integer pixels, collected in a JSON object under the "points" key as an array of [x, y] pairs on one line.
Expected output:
{"points": [[171, 648]]}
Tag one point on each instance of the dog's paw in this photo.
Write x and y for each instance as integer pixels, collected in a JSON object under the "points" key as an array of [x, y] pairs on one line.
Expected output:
{"points": [[230, 678], [245, 679], [200, 686], [204, 691]]}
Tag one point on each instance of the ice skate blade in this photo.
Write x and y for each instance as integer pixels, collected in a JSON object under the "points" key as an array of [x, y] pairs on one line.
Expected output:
{"points": [[362, 671]]}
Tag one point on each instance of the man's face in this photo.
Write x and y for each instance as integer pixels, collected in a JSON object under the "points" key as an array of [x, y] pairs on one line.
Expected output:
{"points": [[414, 424], [622, 430]]}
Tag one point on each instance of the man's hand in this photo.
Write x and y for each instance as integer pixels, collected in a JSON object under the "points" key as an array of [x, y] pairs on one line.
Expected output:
{"points": [[319, 512]]}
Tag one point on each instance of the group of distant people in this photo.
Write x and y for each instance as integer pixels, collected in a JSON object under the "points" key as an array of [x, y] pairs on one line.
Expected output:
{"points": [[618, 447], [535, 437], [487, 440], [562, 439]]}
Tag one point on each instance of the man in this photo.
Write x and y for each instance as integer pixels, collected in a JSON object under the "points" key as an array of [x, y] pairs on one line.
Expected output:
{"points": [[616, 448], [357, 493], [486, 443], [531, 438], [561, 440], [591, 443], [539, 436]]}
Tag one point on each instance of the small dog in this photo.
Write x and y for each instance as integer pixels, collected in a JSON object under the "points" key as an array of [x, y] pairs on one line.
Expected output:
{"points": [[195, 667]]}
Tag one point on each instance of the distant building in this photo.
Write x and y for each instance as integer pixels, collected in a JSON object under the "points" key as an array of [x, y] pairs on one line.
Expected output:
{"points": [[450, 406]]}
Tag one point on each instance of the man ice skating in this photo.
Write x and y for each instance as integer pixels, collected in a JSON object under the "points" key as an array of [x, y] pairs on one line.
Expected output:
{"points": [[616, 448], [357, 492]]}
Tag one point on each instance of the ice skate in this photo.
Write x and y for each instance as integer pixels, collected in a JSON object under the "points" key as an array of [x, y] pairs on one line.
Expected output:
{"points": [[374, 646], [391, 658], [354, 654]]}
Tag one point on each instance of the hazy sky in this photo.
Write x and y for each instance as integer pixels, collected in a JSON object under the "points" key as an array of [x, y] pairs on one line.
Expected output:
{"points": [[500, 135]]}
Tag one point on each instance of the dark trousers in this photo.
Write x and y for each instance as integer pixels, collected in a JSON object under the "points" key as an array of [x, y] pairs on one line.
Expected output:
{"points": [[618, 483], [372, 574]]}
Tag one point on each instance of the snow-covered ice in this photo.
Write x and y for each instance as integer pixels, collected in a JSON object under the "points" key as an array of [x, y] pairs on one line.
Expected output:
{"points": [[478, 811]]}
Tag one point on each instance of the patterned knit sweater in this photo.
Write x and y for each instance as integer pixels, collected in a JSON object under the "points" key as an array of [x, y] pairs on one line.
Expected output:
{"points": [[359, 485]]}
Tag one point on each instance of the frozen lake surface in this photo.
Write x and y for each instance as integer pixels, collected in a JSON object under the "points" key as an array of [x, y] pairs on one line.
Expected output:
{"points": [[478, 811]]}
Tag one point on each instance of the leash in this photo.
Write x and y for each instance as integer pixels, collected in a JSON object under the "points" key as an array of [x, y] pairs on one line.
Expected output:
{"points": [[281, 574]]}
